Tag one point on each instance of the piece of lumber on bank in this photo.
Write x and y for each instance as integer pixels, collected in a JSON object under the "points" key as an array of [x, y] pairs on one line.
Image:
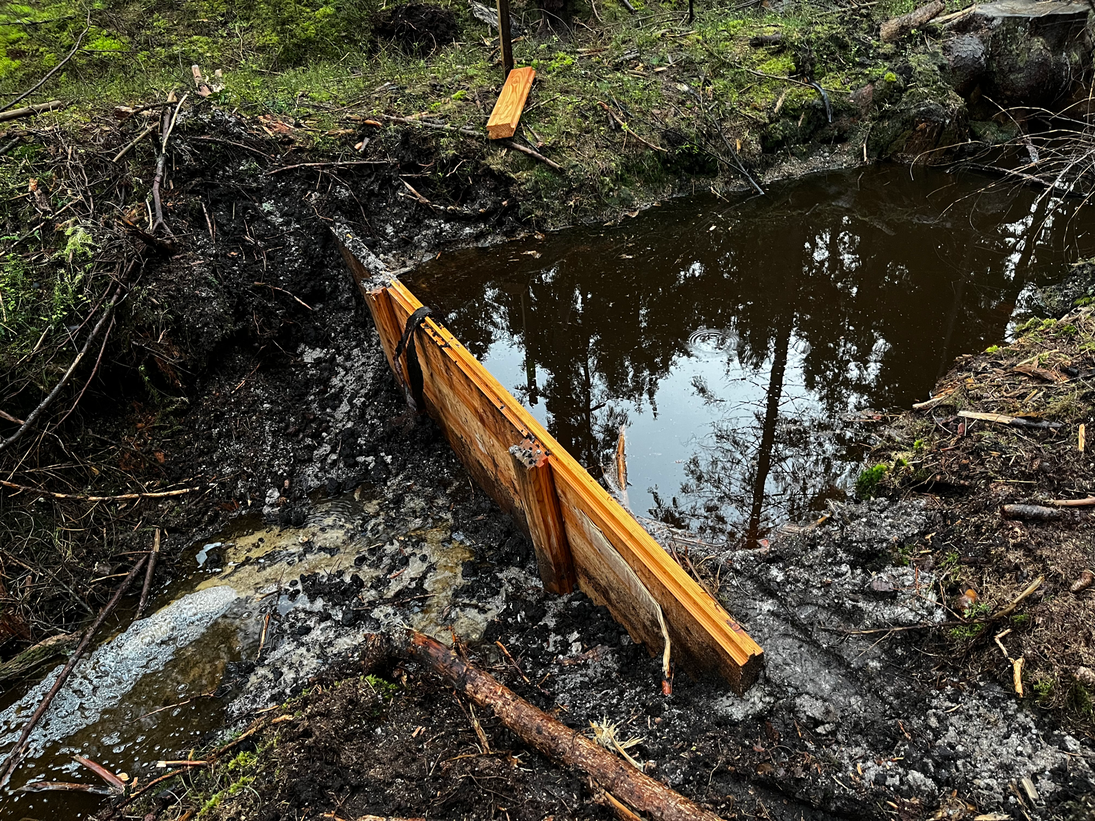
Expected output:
{"points": [[511, 102], [577, 529]]}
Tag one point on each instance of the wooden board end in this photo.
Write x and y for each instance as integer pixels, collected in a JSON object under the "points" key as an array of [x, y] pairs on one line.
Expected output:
{"points": [[511, 103]]}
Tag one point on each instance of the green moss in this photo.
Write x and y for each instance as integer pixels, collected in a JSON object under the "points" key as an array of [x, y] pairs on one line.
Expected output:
{"points": [[966, 632], [382, 687], [1080, 700], [1043, 689], [867, 483]]}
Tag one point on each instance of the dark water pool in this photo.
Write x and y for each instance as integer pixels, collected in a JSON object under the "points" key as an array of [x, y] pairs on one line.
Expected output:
{"points": [[736, 340]]}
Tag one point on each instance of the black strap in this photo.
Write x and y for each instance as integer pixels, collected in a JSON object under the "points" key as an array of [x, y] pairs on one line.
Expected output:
{"points": [[413, 391]]}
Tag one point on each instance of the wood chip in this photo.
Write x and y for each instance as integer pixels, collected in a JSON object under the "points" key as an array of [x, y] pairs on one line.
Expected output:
{"points": [[1004, 419], [1042, 373]]}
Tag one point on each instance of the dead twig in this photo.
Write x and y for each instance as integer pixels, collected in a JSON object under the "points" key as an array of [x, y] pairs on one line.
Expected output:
{"points": [[472, 133], [256, 725], [534, 154], [1086, 502], [1004, 419], [182, 703], [331, 164], [91, 376], [53, 70], [287, 293], [148, 574], [32, 417], [627, 129], [995, 617], [123, 497], [265, 632], [19, 749], [169, 119], [148, 130]]}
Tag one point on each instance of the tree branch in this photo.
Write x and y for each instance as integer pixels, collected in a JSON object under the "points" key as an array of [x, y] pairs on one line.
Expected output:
{"points": [[53, 70], [53, 394]]}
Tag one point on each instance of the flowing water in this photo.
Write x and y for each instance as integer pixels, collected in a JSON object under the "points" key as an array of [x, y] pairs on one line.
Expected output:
{"points": [[736, 340], [146, 693]]}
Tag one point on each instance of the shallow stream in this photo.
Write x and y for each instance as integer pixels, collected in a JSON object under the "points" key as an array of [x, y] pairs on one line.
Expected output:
{"points": [[742, 343]]}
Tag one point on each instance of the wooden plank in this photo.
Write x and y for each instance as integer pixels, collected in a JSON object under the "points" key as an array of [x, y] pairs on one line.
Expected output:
{"points": [[702, 631], [607, 579], [545, 520], [482, 422], [511, 102]]}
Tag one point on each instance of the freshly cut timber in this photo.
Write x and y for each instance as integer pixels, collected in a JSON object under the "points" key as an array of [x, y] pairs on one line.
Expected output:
{"points": [[581, 534], [511, 102]]}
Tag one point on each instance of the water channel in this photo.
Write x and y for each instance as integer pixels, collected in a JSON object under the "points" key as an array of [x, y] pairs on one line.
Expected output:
{"points": [[738, 341]]}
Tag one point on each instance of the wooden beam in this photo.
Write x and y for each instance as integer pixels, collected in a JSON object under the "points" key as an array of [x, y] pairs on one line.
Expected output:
{"points": [[511, 102], [549, 538], [552, 497]]}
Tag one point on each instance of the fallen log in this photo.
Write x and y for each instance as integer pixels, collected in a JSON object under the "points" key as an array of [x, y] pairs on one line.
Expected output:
{"points": [[899, 26], [638, 791], [16, 113]]}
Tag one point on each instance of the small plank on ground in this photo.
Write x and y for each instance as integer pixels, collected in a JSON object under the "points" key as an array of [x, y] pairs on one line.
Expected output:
{"points": [[511, 102]]}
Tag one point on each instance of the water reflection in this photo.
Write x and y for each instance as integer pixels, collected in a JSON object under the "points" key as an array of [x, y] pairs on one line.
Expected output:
{"points": [[733, 338]]}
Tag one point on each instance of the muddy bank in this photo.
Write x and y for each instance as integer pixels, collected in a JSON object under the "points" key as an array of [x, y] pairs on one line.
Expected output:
{"points": [[282, 398], [853, 717]]}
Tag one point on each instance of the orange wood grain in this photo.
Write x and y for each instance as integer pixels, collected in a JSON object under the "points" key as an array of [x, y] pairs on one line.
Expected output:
{"points": [[537, 485], [511, 102]]}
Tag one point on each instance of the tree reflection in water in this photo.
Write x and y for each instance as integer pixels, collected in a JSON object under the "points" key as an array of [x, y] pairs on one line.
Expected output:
{"points": [[735, 339]]}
